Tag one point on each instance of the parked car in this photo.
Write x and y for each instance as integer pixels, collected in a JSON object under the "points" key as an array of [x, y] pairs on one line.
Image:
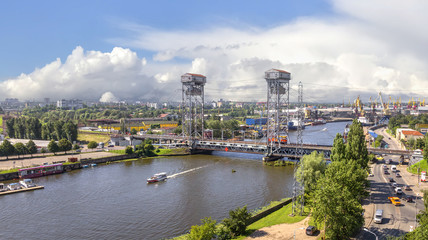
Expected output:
{"points": [[371, 175], [378, 216], [409, 199], [311, 230]]}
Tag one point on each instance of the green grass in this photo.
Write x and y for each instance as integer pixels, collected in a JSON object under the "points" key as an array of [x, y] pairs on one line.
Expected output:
{"points": [[271, 205], [9, 171], [423, 165], [118, 151], [278, 217], [163, 151], [87, 137]]}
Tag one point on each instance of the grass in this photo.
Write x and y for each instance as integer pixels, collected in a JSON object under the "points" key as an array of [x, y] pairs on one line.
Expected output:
{"points": [[9, 171], [271, 205], [118, 151], [87, 137], [278, 217], [423, 165]]}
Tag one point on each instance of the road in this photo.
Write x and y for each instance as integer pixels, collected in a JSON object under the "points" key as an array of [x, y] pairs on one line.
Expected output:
{"points": [[397, 220]]}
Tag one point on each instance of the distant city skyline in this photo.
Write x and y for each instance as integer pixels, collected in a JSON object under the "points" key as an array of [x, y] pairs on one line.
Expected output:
{"points": [[136, 50]]}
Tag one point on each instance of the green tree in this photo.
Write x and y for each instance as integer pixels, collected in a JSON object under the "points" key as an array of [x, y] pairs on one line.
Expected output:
{"points": [[237, 221], [53, 147], [133, 131], [356, 148], [7, 148], [20, 148], [337, 199], [425, 152], [314, 166], [92, 144], [76, 146], [64, 145], [31, 147], [338, 151], [206, 231], [129, 150]]}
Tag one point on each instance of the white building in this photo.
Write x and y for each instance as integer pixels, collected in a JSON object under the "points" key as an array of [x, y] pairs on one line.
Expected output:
{"points": [[69, 104]]}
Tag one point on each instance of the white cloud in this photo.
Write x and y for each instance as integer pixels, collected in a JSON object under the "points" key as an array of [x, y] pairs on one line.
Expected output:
{"points": [[366, 47], [108, 97]]}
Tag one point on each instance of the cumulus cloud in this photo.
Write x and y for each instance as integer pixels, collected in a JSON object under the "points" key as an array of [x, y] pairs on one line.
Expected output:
{"points": [[361, 49], [108, 97]]}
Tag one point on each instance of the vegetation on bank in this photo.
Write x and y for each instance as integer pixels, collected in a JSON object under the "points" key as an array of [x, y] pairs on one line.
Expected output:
{"points": [[279, 163], [422, 166], [88, 137]]}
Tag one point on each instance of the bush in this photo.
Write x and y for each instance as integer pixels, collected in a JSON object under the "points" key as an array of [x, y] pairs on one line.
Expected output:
{"points": [[237, 223], [92, 144], [205, 231], [129, 150]]}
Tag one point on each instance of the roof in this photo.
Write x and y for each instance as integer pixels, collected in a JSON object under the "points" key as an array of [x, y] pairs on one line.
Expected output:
{"points": [[196, 75], [280, 70], [420, 125], [163, 115], [373, 134], [412, 133]]}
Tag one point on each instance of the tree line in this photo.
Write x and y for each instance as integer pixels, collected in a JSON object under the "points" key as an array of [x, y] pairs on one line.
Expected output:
{"points": [[32, 128]]}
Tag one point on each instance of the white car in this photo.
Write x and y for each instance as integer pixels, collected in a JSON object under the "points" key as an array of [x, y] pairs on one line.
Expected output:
{"points": [[398, 190]]}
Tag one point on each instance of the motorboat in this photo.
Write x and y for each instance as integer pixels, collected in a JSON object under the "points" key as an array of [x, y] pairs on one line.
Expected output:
{"points": [[14, 186], [27, 183], [2, 187], [157, 178]]}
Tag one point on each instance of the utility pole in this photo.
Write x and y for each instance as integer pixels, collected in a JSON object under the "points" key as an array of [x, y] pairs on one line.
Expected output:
{"points": [[299, 187]]}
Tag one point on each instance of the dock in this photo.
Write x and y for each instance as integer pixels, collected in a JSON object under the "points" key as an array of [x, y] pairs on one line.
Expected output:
{"points": [[21, 190]]}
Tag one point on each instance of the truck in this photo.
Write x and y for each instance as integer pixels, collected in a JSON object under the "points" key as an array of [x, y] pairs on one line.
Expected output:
{"points": [[395, 200]]}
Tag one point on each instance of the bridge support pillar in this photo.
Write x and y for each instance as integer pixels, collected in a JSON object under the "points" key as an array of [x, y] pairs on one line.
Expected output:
{"points": [[270, 158]]}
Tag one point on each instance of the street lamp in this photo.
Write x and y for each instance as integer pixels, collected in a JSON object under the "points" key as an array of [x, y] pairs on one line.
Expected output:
{"points": [[365, 229], [416, 210], [295, 231]]}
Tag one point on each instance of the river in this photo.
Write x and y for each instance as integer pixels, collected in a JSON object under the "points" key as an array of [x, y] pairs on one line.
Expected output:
{"points": [[114, 202]]}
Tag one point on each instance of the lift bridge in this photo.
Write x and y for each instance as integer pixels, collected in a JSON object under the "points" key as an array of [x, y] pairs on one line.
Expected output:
{"points": [[285, 150]]}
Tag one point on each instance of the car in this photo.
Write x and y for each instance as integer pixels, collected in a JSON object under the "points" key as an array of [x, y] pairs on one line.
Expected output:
{"points": [[397, 175], [409, 199], [398, 190], [371, 175], [391, 179], [386, 172], [394, 185], [385, 167], [378, 216], [111, 145], [407, 188], [311, 230]]}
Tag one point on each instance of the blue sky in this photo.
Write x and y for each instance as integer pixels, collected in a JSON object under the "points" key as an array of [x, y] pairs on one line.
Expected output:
{"points": [[37, 32], [139, 49]]}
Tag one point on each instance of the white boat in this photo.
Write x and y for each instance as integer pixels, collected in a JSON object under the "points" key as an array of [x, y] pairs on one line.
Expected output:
{"points": [[14, 186], [27, 183], [157, 178], [2, 187]]}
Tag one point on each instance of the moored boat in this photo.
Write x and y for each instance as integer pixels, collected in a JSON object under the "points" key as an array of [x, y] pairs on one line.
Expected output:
{"points": [[27, 183], [157, 178], [319, 121], [14, 186], [2, 187]]}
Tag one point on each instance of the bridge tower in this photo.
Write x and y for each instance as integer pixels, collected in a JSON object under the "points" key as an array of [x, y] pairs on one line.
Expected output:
{"points": [[278, 84], [299, 187], [193, 105]]}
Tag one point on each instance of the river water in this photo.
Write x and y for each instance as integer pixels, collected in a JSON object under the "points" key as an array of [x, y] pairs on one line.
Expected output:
{"points": [[114, 202]]}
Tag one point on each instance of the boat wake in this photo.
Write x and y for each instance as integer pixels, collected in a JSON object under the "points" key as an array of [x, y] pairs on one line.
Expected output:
{"points": [[324, 129], [187, 171]]}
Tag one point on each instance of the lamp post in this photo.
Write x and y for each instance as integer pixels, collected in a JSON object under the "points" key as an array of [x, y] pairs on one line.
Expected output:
{"points": [[416, 210], [367, 230], [295, 231]]}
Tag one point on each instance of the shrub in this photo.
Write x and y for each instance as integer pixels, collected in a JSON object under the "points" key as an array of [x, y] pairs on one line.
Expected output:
{"points": [[205, 231], [237, 223], [129, 150]]}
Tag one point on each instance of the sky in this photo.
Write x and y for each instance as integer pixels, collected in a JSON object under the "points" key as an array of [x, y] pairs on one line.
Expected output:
{"points": [[129, 49]]}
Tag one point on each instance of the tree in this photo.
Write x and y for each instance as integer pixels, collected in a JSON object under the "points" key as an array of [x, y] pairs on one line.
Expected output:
{"points": [[133, 131], [7, 148], [92, 144], [337, 199], [314, 167], [20, 148], [421, 232], [53, 147], [425, 152], [129, 150], [64, 145], [205, 231], [237, 221], [76, 146], [338, 151], [31, 147], [356, 148]]}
